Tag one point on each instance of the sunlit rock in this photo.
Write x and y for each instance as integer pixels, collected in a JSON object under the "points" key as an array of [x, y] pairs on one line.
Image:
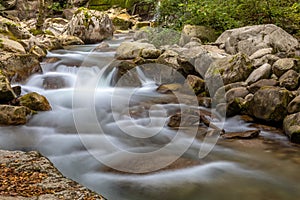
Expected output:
{"points": [[35, 102], [250, 39], [14, 115], [90, 26]]}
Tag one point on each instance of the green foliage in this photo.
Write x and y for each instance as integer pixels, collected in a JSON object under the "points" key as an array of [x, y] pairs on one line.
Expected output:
{"points": [[223, 15]]}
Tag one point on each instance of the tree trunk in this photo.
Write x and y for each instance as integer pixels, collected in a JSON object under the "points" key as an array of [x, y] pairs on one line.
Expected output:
{"points": [[41, 15]]}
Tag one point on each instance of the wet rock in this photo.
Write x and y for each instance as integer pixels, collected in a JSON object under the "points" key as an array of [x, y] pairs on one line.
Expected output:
{"points": [[261, 83], [11, 46], [205, 34], [283, 65], [228, 70], [270, 104], [260, 53], [292, 128], [32, 176], [250, 39], [196, 83], [289, 80], [263, 72], [125, 74], [14, 115], [219, 95], [17, 90], [66, 40], [168, 88], [35, 102], [6, 92], [131, 50], [90, 26], [242, 135], [183, 120], [294, 105], [236, 93], [18, 67]]}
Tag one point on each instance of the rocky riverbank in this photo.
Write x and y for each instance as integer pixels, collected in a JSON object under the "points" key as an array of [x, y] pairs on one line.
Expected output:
{"points": [[258, 67], [30, 176]]}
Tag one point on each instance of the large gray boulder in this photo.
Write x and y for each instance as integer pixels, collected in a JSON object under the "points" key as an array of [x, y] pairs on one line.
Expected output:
{"points": [[228, 70], [131, 50], [291, 126], [90, 26], [270, 104], [249, 39]]}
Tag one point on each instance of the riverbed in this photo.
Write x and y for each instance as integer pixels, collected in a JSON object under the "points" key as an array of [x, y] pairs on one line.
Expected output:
{"points": [[110, 139]]}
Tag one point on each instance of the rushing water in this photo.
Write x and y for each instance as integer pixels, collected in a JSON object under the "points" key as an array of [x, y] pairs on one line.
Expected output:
{"points": [[264, 168]]}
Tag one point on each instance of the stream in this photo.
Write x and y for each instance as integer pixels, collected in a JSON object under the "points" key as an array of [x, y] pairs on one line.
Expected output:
{"points": [[92, 137]]}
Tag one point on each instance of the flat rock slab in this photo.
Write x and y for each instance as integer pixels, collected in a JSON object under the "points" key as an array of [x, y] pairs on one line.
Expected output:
{"points": [[242, 135], [30, 176]]}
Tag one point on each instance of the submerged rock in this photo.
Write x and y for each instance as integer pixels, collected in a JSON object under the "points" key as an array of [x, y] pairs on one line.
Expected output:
{"points": [[14, 115], [270, 104], [35, 102], [242, 135], [291, 126]]}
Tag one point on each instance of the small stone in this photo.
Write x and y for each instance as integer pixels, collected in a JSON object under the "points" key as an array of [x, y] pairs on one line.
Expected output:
{"points": [[35, 102], [263, 72], [289, 80], [283, 65]]}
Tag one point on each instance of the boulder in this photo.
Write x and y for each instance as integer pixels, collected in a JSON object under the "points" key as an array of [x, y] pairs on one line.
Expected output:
{"points": [[18, 67], [236, 93], [122, 21], [90, 26], [250, 39], [283, 65], [230, 69], [262, 72], [150, 53], [261, 83], [204, 33], [289, 80], [7, 4], [294, 105], [131, 50], [219, 95], [11, 46], [6, 92], [35, 102], [196, 83], [11, 29], [260, 53], [291, 126], [13, 115], [270, 104]]}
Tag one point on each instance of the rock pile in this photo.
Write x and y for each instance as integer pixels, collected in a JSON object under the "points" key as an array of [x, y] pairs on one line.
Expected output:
{"points": [[251, 70]]}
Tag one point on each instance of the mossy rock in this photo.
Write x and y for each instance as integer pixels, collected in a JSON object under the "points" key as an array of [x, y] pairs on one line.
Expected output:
{"points": [[35, 102]]}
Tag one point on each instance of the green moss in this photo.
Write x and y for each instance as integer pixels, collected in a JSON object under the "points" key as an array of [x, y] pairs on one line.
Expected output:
{"points": [[34, 31]]}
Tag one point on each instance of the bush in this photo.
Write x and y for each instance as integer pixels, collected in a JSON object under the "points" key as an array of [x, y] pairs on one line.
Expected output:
{"points": [[226, 14]]}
